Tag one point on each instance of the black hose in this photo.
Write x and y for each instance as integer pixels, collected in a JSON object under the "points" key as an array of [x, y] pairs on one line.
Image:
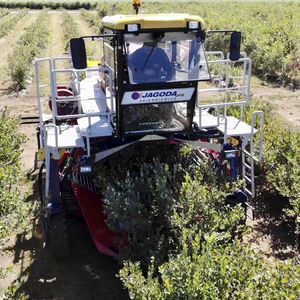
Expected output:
{"points": [[40, 182]]}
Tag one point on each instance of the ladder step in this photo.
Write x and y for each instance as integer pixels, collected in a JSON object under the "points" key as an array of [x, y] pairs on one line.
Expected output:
{"points": [[247, 178], [249, 205], [249, 154], [247, 166], [249, 192]]}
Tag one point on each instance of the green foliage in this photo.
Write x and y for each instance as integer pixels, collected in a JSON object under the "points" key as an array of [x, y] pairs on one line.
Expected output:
{"points": [[142, 206], [156, 199], [282, 160], [14, 211], [13, 292], [10, 172], [9, 23], [29, 46], [3, 12], [70, 29], [113, 7], [209, 270], [52, 4], [94, 20]]}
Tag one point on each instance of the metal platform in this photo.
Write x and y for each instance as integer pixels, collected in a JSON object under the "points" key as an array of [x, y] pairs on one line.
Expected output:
{"points": [[92, 97], [95, 126], [231, 126], [206, 120], [64, 136]]}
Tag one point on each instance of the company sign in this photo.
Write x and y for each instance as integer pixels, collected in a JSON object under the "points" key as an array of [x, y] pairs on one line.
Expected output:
{"points": [[158, 96]]}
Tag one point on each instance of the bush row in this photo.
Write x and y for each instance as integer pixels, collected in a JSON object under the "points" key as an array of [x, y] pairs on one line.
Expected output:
{"points": [[94, 20], [3, 12], [10, 174], [212, 270], [29, 46], [48, 4], [70, 29], [151, 201], [8, 24]]}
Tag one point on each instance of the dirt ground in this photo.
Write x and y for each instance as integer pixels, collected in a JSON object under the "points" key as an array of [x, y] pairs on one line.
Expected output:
{"points": [[86, 274], [285, 102]]}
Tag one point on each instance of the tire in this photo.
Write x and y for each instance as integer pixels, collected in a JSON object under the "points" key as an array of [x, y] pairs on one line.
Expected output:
{"points": [[58, 241]]}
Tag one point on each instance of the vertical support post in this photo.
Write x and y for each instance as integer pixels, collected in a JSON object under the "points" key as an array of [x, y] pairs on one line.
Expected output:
{"points": [[227, 82], [55, 185], [53, 95], [113, 108], [249, 79], [243, 157], [38, 94], [47, 164], [200, 115], [88, 133], [252, 165], [244, 98]]}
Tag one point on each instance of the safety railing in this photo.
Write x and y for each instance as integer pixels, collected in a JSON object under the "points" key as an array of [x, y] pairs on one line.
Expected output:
{"points": [[211, 56], [43, 87], [54, 83], [55, 98], [245, 77], [75, 97], [226, 86]]}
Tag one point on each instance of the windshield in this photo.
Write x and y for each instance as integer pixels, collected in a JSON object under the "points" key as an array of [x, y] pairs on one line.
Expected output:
{"points": [[165, 56]]}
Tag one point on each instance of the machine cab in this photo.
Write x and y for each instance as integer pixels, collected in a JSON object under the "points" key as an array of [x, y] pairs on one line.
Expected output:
{"points": [[160, 59], [156, 61]]}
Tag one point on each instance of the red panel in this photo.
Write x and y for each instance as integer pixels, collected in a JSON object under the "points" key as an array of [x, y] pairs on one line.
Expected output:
{"points": [[91, 205]]}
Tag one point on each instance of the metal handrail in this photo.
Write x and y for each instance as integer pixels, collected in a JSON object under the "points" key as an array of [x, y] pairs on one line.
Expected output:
{"points": [[243, 89], [234, 88]]}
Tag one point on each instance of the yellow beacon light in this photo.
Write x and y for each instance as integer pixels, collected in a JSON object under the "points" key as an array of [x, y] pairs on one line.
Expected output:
{"points": [[136, 5], [136, 2]]}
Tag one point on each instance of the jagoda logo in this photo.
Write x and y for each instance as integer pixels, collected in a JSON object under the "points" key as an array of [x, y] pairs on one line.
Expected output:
{"points": [[135, 96], [154, 95]]}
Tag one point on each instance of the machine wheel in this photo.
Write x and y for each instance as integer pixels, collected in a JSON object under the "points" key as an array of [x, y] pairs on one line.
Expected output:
{"points": [[57, 239]]}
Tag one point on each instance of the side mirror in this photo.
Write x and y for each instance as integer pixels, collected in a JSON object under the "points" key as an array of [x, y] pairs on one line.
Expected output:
{"points": [[78, 53], [235, 45]]}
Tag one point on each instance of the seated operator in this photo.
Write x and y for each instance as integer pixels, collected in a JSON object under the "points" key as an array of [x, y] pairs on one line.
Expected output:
{"points": [[150, 64]]}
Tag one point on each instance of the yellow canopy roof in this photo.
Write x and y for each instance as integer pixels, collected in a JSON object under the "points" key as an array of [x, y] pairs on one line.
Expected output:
{"points": [[149, 21]]}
